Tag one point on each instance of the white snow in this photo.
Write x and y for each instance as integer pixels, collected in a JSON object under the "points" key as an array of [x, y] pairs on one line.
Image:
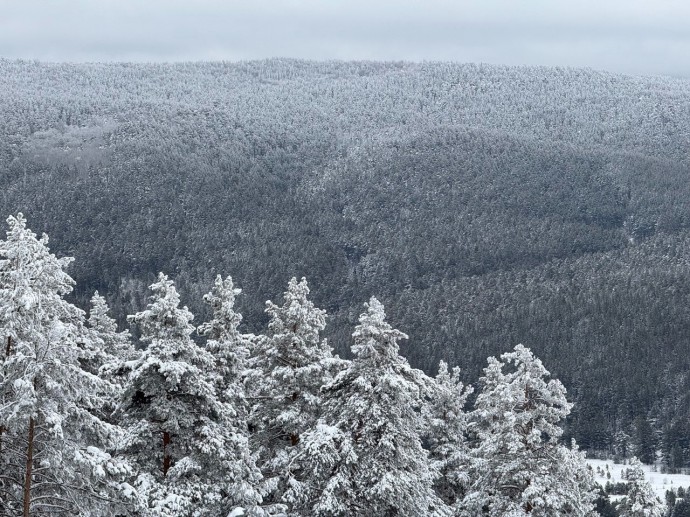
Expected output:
{"points": [[659, 482]]}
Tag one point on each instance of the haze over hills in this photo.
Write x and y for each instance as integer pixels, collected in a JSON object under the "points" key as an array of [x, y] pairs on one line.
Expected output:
{"points": [[485, 206]]}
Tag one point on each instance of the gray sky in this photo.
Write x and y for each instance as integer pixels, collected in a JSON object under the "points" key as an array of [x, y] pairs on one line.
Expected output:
{"points": [[631, 36]]}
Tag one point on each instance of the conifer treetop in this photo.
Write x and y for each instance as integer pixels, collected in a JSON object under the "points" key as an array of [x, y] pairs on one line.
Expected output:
{"points": [[225, 320], [98, 315], [526, 392], [164, 319], [365, 456], [297, 315], [45, 388], [374, 337], [27, 261], [518, 466]]}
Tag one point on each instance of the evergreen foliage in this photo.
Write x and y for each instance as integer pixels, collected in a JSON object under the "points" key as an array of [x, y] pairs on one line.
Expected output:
{"points": [[54, 455], [641, 500], [518, 465], [365, 457], [289, 367], [116, 345], [483, 204], [230, 350], [680, 509], [179, 433], [229, 347], [371, 436], [447, 436]]}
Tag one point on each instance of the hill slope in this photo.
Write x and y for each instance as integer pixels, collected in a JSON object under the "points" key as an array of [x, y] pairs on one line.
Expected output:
{"points": [[485, 205]]}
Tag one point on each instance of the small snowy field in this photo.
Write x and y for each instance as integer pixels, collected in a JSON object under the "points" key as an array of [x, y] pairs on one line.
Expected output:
{"points": [[660, 482]]}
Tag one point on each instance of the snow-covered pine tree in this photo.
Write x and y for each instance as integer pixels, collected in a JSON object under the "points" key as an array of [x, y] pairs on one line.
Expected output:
{"points": [[230, 349], [365, 457], [104, 351], [115, 346], [53, 457], [641, 500], [179, 431], [518, 466], [447, 421], [289, 366]]}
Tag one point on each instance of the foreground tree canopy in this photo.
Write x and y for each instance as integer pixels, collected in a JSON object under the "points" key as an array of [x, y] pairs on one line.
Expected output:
{"points": [[273, 424]]}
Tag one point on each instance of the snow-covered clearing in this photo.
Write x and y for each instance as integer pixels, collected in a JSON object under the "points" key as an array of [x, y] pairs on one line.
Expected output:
{"points": [[660, 482]]}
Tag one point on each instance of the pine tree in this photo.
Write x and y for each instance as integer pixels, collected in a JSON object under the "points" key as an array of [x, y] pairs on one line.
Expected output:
{"points": [[53, 452], [621, 443], [641, 500], [115, 346], [518, 466], [105, 351], [448, 448], [681, 508], [289, 366], [645, 441], [179, 431], [230, 350], [365, 457]]}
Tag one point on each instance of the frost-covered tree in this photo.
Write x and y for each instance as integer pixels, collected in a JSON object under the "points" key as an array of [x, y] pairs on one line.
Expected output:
{"points": [[180, 433], [622, 443], [105, 351], [518, 465], [365, 457], [54, 455], [115, 346], [641, 500], [230, 349], [447, 421], [289, 367]]}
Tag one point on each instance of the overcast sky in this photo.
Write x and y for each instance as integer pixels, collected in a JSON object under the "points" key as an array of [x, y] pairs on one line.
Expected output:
{"points": [[632, 36]]}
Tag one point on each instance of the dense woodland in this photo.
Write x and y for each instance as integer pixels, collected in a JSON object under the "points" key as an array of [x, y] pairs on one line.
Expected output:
{"points": [[484, 206], [268, 424]]}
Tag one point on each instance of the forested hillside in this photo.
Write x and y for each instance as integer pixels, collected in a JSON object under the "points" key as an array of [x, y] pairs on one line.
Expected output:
{"points": [[486, 206]]}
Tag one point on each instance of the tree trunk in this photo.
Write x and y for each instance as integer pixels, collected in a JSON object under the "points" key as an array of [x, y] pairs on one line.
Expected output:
{"points": [[8, 351], [29, 467], [166, 456]]}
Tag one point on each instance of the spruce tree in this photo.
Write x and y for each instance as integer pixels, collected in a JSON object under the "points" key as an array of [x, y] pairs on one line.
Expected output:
{"points": [[365, 457], [289, 367], [179, 431], [641, 500], [518, 465], [115, 347], [447, 421], [230, 349], [54, 455]]}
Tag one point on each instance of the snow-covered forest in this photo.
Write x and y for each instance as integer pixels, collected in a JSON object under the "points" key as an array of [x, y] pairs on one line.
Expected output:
{"points": [[483, 206], [201, 419]]}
